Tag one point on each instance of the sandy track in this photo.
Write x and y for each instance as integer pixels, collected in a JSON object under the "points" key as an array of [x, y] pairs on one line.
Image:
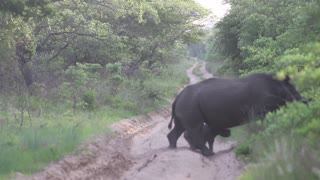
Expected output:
{"points": [[139, 150]]}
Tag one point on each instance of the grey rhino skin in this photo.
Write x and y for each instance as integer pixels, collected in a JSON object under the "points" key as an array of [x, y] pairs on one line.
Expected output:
{"points": [[208, 135], [226, 103]]}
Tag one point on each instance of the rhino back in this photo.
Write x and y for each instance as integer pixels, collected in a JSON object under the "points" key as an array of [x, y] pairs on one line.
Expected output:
{"points": [[227, 103]]}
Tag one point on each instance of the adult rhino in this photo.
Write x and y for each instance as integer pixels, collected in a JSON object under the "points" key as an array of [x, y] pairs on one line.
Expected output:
{"points": [[226, 103]]}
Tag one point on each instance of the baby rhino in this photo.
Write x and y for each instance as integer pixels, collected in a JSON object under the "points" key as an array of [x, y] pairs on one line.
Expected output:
{"points": [[208, 135]]}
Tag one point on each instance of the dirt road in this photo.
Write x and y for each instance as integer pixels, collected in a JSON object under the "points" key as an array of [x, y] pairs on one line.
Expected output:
{"points": [[139, 151]]}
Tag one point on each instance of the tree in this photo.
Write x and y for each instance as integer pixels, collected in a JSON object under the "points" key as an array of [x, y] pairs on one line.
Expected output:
{"points": [[252, 26], [282, 37], [136, 34], [27, 8], [78, 80]]}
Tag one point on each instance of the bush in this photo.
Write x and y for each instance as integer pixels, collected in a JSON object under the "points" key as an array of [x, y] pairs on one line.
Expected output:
{"points": [[284, 158], [293, 129], [284, 38], [243, 149], [89, 101]]}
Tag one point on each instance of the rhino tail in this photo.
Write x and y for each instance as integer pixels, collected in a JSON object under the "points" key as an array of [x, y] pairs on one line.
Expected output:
{"points": [[172, 112], [170, 123]]}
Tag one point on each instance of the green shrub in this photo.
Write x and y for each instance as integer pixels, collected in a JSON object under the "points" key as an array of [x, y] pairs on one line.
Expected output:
{"points": [[296, 119], [55, 129], [243, 149], [287, 145], [89, 100], [284, 158], [56, 133], [29, 149]]}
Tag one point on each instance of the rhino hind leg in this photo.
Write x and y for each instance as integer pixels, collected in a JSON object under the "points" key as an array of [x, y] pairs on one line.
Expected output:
{"points": [[188, 139], [175, 133]]}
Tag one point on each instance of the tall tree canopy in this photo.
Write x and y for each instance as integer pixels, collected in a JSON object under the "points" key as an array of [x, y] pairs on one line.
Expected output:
{"points": [[254, 34], [282, 37], [41, 39]]}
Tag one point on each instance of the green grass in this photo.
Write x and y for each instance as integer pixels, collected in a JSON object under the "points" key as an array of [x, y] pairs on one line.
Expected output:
{"points": [[29, 149], [283, 158], [278, 156], [283, 150], [57, 131]]}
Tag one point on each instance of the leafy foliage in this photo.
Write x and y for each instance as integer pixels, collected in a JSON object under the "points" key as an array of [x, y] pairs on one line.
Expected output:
{"points": [[255, 34], [282, 37], [62, 62], [26, 8]]}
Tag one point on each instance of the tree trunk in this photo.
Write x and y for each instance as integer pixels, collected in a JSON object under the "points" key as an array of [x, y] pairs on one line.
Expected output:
{"points": [[23, 56], [74, 104]]}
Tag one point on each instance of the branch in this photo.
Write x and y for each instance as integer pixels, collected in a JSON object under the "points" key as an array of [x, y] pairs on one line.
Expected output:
{"points": [[103, 4], [59, 52]]}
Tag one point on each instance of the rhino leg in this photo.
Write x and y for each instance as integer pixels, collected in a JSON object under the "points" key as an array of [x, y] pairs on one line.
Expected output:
{"points": [[198, 140], [210, 141], [175, 133], [209, 136], [205, 151], [188, 139]]}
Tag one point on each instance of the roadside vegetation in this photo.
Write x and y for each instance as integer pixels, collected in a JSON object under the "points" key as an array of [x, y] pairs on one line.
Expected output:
{"points": [[70, 68], [282, 37]]}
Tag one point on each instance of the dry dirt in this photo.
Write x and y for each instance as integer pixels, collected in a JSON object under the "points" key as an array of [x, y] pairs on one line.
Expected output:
{"points": [[139, 151]]}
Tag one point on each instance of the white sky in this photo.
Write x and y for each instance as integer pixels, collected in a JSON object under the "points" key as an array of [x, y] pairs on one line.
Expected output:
{"points": [[218, 8]]}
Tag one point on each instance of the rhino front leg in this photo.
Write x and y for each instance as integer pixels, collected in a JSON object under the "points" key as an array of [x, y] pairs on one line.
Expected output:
{"points": [[197, 140], [210, 143], [205, 151]]}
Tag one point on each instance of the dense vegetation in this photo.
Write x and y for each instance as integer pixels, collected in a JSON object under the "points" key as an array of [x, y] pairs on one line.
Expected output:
{"points": [[283, 37], [70, 67]]}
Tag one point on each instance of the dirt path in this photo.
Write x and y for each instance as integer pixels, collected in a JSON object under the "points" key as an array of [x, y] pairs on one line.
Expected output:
{"points": [[139, 150]]}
